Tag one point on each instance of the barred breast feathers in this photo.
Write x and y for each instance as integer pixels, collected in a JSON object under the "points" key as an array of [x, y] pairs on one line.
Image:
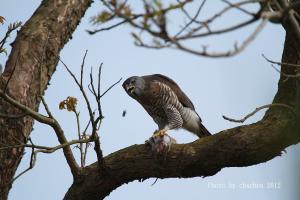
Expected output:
{"points": [[168, 96]]}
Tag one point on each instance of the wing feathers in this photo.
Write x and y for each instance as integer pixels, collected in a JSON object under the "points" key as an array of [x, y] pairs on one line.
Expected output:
{"points": [[184, 100]]}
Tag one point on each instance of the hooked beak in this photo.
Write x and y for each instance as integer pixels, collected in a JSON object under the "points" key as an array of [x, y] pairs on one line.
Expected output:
{"points": [[130, 88]]}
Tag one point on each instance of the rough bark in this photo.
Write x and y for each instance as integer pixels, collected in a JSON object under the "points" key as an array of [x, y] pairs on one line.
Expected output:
{"points": [[33, 60], [241, 146]]}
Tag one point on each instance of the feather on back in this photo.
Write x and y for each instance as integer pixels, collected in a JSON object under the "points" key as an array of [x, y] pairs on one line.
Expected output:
{"points": [[182, 97]]}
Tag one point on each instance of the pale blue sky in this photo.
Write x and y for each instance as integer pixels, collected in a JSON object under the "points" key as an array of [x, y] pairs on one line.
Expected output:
{"points": [[232, 86]]}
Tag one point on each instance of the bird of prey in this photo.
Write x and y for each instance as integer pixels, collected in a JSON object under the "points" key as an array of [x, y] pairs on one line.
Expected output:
{"points": [[166, 103]]}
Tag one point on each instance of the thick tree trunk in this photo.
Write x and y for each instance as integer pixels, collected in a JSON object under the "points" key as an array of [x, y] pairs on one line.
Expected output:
{"points": [[32, 61], [241, 146]]}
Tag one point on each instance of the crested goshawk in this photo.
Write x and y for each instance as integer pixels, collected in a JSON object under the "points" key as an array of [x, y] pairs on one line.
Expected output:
{"points": [[166, 103]]}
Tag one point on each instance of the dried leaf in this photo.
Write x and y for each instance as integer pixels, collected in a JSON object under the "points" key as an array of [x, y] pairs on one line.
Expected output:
{"points": [[127, 12], [62, 105], [69, 104], [104, 16], [3, 51], [2, 19]]}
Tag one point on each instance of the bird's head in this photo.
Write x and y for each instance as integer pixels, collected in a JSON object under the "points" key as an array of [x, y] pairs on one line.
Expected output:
{"points": [[134, 86]]}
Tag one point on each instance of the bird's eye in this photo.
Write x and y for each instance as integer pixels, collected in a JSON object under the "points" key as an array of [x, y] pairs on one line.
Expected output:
{"points": [[133, 82]]}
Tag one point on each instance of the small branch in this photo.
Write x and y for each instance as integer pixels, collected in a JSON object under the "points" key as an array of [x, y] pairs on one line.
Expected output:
{"points": [[192, 19], [280, 63], [51, 122], [70, 72], [96, 94], [192, 34], [82, 91], [28, 111], [79, 137], [82, 67], [154, 15], [46, 107], [237, 49], [98, 91], [95, 122], [42, 149], [239, 8], [31, 163], [10, 29], [110, 88], [4, 147], [45, 149], [87, 144], [67, 144], [258, 109], [108, 28], [91, 85], [285, 74]]}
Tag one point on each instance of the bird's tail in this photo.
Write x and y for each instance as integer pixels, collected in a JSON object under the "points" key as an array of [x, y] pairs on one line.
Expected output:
{"points": [[202, 131]]}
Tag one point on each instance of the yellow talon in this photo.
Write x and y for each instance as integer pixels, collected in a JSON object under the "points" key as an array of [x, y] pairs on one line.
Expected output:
{"points": [[159, 133]]}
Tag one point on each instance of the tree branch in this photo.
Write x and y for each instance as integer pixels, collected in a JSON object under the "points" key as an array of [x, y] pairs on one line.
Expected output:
{"points": [[44, 35], [253, 144], [237, 147], [51, 122], [257, 110], [280, 63]]}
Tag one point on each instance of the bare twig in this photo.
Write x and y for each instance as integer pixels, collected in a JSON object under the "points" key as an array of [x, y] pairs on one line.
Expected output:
{"points": [[96, 95], [31, 163], [91, 85], [192, 34], [285, 74], [280, 63], [239, 7], [258, 109], [79, 137], [156, 15], [51, 122], [296, 75], [42, 149], [10, 29], [82, 67], [81, 89], [151, 13], [99, 89], [110, 87], [95, 122], [45, 149], [91, 32], [237, 49], [37, 116], [87, 144], [192, 19], [46, 107]]}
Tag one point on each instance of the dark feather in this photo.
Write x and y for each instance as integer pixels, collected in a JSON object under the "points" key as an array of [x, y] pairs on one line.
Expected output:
{"points": [[184, 100], [203, 131]]}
